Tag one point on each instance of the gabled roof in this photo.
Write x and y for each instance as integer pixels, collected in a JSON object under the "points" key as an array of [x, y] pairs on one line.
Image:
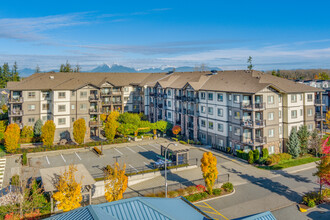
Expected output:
{"points": [[137, 208]]}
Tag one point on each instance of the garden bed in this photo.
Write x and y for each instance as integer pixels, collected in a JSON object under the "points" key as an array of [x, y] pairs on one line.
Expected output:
{"points": [[290, 163]]}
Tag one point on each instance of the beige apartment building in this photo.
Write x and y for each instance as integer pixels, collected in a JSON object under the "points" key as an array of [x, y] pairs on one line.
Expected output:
{"points": [[235, 109]]}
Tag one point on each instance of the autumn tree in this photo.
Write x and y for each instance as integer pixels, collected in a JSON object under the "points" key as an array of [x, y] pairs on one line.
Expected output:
{"points": [[68, 193], [303, 136], [115, 182], [27, 132], [3, 126], [209, 169], [327, 119], [114, 115], [79, 130], [293, 144], [48, 133], [110, 128], [12, 136], [176, 129]]}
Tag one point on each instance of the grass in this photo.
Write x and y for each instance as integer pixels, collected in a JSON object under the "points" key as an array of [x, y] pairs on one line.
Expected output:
{"points": [[2, 151], [290, 163]]}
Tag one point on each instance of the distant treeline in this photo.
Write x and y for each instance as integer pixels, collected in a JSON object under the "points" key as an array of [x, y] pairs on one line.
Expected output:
{"points": [[302, 74], [8, 74]]}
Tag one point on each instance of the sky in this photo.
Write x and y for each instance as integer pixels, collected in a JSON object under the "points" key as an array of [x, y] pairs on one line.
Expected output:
{"points": [[143, 34]]}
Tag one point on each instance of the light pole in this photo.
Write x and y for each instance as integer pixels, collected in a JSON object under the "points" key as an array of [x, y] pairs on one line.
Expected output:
{"points": [[166, 167]]}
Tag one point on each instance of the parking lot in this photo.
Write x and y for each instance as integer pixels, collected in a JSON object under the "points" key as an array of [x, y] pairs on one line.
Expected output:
{"points": [[136, 158]]}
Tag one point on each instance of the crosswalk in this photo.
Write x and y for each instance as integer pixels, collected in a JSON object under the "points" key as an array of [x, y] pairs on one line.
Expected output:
{"points": [[2, 170]]}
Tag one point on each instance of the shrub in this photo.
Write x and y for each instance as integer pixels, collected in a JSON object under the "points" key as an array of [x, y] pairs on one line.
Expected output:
{"points": [[24, 159], [228, 187], [276, 158], [251, 159], [27, 132], [48, 133], [191, 189], [173, 194], [261, 161], [265, 153], [196, 197], [217, 192], [15, 180], [311, 203], [310, 198], [182, 192], [326, 193], [241, 154], [256, 155], [174, 139], [12, 135], [182, 142], [79, 130], [201, 188], [3, 125]]}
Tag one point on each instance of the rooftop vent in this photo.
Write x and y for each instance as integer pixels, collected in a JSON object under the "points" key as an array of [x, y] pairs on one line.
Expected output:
{"points": [[214, 72], [51, 77]]}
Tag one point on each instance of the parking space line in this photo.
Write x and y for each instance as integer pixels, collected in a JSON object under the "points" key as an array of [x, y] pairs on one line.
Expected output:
{"points": [[132, 167], [142, 148], [63, 158], [154, 146], [145, 163], [47, 160], [118, 151], [218, 213], [77, 155], [131, 150]]}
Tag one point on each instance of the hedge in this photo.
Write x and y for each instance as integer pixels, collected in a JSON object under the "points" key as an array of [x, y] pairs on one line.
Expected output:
{"points": [[276, 158], [241, 154]]}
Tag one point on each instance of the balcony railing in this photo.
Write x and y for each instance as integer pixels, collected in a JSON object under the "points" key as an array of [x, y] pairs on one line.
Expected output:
{"points": [[318, 102], [16, 100], [106, 103], [117, 102], [253, 124], [94, 98], [103, 93], [254, 142], [95, 123], [319, 118], [191, 112], [94, 111], [251, 107], [16, 112], [116, 92]]}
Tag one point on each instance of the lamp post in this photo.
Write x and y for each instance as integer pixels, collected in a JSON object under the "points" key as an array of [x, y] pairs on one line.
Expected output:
{"points": [[166, 167]]}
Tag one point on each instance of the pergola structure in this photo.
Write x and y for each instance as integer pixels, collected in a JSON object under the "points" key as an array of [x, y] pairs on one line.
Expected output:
{"points": [[178, 154], [50, 176]]}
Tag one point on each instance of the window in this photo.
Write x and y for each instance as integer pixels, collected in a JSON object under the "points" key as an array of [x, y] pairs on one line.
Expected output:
{"points": [[31, 120], [126, 99], [203, 124], [300, 97], [61, 95], [280, 114], [169, 92], [237, 131], [221, 143], [31, 107], [203, 95], [293, 98], [309, 98], [237, 115], [203, 109], [271, 133], [271, 150], [220, 97], [45, 107], [45, 95], [270, 99], [203, 136], [73, 93], [294, 114], [61, 108], [72, 107], [279, 98], [229, 112], [301, 112], [169, 104], [83, 107], [126, 89], [271, 116], [310, 112], [236, 98], [220, 127], [210, 110], [61, 121], [83, 94], [169, 115], [44, 118], [229, 97], [210, 96], [210, 125], [220, 112], [230, 128], [72, 119], [310, 127], [31, 95]]}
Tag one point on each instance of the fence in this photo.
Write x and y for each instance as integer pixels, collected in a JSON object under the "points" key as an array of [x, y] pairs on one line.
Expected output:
{"points": [[175, 186]]}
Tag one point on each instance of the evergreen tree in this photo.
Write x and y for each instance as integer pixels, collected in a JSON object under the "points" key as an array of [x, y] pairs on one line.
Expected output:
{"points": [[14, 73], [250, 65], [66, 68], [303, 135], [293, 144], [37, 128]]}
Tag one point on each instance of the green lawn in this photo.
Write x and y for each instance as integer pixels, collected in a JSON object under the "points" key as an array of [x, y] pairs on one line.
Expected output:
{"points": [[2, 150], [290, 163]]}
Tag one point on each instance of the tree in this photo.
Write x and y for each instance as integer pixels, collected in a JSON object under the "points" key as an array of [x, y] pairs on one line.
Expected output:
{"points": [[251, 157], [110, 129], [249, 61], [66, 68], [323, 76], [126, 129], [161, 126], [303, 136], [176, 129], [37, 128], [115, 182], [327, 119], [144, 126], [77, 69], [27, 132], [12, 135], [48, 133], [103, 117], [79, 130], [68, 193], [315, 143], [113, 115], [14, 73], [209, 169], [293, 144], [3, 126], [129, 118], [256, 155]]}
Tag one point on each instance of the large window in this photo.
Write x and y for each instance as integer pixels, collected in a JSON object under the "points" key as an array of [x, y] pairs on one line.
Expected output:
{"points": [[210, 96], [203, 109], [203, 124], [45, 95], [169, 104], [220, 112], [31, 120], [210, 110], [45, 107], [270, 99], [237, 131], [220, 127], [210, 125], [271, 150], [237, 115], [271, 133], [220, 97], [293, 113], [61, 108], [293, 98], [31, 107], [309, 98], [271, 116], [83, 94], [236, 98], [61, 121], [202, 95], [31, 95], [310, 112], [83, 107], [61, 95]]}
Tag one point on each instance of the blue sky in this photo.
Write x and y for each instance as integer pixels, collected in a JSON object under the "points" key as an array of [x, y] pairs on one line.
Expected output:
{"points": [[142, 34]]}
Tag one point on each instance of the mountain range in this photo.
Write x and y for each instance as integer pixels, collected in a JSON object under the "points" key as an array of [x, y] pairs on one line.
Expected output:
{"points": [[115, 68]]}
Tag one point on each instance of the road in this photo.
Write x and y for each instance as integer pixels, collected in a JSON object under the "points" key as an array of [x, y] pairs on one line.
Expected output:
{"points": [[279, 195]]}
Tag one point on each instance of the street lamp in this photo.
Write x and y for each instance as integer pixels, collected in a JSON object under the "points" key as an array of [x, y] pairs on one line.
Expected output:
{"points": [[166, 167]]}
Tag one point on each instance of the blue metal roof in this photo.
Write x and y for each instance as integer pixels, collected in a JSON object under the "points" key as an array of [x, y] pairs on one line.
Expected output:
{"points": [[260, 216], [137, 208]]}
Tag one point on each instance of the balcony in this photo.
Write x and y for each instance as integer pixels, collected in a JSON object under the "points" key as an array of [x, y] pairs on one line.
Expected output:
{"points": [[94, 111], [319, 118], [191, 112], [16, 112], [160, 105], [103, 93], [15, 100], [253, 124], [151, 94], [253, 107], [184, 98], [116, 92], [256, 142], [190, 125], [95, 123], [318, 102], [117, 103], [106, 103], [94, 98]]}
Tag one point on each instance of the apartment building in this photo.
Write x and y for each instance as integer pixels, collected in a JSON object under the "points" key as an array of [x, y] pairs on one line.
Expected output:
{"points": [[235, 109]]}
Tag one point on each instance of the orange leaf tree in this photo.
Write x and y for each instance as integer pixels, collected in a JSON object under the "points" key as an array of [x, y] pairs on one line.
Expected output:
{"points": [[110, 128], [115, 182], [12, 136], [68, 195], [79, 130], [209, 169], [48, 133], [176, 129]]}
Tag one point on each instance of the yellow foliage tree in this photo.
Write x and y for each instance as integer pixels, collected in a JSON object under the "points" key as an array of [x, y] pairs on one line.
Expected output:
{"points": [[103, 117], [12, 136], [68, 195], [209, 169], [79, 130], [115, 182], [113, 116], [327, 119], [48, 133]]}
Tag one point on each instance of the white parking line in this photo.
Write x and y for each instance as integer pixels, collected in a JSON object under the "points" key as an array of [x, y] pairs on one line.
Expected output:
{"points": [[131, 150], [154, 146], [63, 158], [118, 151], [132, 167], [77, 155], [142, 148], [47, 160], [145, 163]]}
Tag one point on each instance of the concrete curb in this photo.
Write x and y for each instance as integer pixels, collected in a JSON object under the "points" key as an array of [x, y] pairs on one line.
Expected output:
{"points": [[217, 197]]}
